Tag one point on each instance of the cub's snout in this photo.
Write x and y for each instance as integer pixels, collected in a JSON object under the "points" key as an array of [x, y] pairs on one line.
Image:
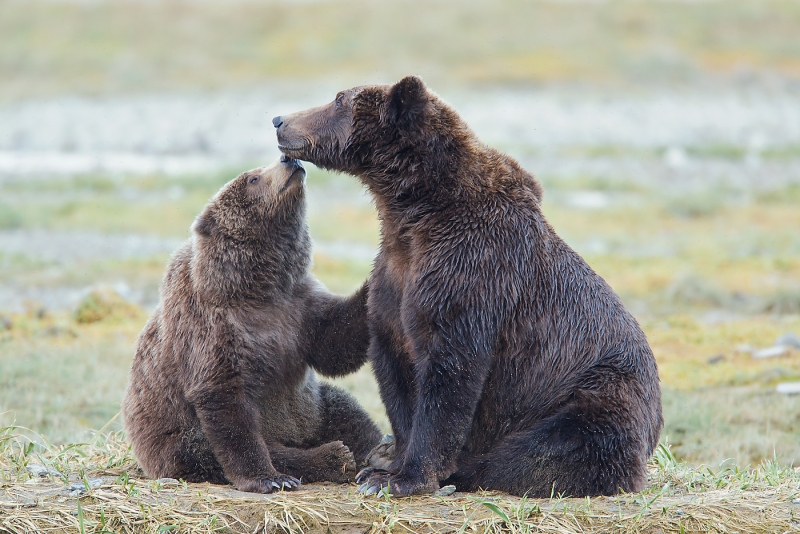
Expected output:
{"points": [[294, 170]]}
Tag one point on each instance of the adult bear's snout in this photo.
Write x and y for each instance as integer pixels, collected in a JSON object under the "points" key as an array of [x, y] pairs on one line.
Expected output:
{"points": [[277, 121]]}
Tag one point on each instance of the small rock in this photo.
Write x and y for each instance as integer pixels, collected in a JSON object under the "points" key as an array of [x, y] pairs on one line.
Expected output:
{"points": [[167, 481], [788, 388], [744, 349], [771, 352], [796, 501], [676, 157], [788, 340], [716, 359], [445, 491], [79, 488], [590, 200], [42, 471]]}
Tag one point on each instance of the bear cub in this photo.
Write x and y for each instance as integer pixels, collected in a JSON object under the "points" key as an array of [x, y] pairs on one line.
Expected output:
{"points": [[222, 387]]}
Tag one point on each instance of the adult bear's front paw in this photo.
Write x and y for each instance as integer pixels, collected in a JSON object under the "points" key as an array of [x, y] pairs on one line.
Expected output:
{"points": [[268, 485], [399, 485]]}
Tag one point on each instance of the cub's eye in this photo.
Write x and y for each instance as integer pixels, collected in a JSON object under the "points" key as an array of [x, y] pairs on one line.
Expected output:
{"points": [[254, 179], [339, 100]]}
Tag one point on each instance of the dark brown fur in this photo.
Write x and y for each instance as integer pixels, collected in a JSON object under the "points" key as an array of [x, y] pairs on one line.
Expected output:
{"points": [[503, 360], [222, 387]]}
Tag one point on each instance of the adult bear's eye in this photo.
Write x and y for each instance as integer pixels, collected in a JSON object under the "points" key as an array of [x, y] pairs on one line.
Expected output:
{"points": [[339, 99], [253, 179]]}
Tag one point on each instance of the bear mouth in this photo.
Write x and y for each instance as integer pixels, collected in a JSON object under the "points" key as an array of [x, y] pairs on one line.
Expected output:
{"points": [[294, 151]]}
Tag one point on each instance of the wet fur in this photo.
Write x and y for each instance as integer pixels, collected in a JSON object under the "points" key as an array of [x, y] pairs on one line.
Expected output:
{"points": [[504, 361], [222, 386]]}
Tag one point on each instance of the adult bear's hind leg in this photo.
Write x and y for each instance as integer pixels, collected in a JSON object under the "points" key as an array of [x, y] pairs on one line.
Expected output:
{"points": [[583, 450], [343, 419]]}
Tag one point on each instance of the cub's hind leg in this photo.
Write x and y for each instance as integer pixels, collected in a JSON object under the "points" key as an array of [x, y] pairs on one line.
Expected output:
{"points": [[330, 461], [343, 419]]}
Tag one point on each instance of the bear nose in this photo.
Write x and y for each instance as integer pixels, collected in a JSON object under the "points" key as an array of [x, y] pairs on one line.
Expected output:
{"points": [[277, 121]]}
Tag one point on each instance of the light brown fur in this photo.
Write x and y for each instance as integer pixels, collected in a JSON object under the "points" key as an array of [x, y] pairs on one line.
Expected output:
{"points": [[222, 387]]}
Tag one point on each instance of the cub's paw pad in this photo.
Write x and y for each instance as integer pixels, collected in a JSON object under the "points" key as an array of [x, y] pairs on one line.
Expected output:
{"points": [[270, 485], [374, 482], [339, 460], [382, 455]]}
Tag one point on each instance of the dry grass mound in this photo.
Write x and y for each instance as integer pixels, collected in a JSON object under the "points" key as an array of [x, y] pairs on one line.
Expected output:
{"points": [[97, 487], [102, 304]]}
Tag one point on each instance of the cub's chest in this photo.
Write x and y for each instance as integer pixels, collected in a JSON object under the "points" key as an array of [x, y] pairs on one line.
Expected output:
{"points": [[271, 341]]}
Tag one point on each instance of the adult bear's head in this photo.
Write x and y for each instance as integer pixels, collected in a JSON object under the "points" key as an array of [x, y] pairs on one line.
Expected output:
{"points": [[402, 140], [252, 236], [362, 128]]}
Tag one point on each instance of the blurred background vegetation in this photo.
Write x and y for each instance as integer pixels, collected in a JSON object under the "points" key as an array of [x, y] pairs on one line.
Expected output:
{"points": [[666, 134]]}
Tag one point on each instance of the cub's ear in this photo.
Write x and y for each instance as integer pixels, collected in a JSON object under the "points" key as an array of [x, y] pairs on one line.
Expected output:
{"points": [[407, 99], [204, 224]]}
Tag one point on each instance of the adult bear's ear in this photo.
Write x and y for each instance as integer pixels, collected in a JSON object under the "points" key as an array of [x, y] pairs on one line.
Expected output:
{"points": [[203, 225], [407, 100]]}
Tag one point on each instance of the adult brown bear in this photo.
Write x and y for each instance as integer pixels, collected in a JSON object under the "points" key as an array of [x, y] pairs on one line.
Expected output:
{"points": [[222, 387], [503, 360]]}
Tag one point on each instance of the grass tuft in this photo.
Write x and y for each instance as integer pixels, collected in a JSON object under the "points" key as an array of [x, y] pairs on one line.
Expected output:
{"points": [[678, 498], [783, 303], [104, 304]]}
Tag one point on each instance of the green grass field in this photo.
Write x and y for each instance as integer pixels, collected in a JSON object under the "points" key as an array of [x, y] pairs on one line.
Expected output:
{"points": [[61, 378], [112, 47], [710, 267]]}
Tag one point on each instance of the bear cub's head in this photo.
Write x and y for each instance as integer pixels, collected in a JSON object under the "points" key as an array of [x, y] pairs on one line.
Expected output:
{"points": [[252, 236], [257, 201]]}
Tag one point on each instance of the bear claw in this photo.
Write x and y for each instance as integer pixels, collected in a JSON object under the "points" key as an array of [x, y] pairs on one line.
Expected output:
{"points": [[270, 485], [374, 482], [364, 474], [377, 482]]}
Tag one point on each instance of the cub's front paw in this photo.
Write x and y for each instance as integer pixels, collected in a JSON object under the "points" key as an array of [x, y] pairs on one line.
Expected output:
{"points": [[338, 462], [376, 482], [268, 485], [382, 455]]}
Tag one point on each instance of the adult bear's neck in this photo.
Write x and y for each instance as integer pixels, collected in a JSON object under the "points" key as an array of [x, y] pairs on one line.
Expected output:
{"points": [[414, 173]]}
